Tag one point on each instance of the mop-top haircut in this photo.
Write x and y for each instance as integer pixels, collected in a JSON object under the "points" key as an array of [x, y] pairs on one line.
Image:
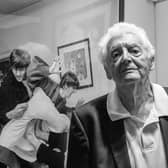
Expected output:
{"points": [[69, 79], [19, 58]]}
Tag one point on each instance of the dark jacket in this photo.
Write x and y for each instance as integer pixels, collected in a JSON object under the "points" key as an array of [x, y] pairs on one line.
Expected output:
{"points": [[97, 142], [12, 93]]}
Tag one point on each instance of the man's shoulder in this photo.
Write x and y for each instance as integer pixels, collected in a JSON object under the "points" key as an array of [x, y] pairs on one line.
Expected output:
{"points": [[94, 102], [166, 89], [92, 107]]}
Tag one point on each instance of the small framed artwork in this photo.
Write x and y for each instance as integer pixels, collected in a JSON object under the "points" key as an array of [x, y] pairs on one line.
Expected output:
{"points": [[76, 57]]}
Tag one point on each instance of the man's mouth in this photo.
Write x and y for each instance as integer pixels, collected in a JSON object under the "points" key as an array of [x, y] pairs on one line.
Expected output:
{"points": [[19, 78], [127, 70]]}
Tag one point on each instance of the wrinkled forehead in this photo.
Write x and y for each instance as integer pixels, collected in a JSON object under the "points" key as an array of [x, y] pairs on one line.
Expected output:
{"points": [[125, 39]]}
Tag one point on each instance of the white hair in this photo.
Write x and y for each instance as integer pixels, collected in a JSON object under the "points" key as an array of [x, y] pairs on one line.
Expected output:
{"points": [[118, 30]]}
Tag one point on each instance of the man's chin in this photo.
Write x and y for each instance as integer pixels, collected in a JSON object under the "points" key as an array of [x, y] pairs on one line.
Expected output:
{"points": [[131, 78], [19, 79]]}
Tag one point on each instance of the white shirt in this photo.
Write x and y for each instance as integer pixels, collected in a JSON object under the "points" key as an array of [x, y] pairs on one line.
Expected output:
{"points": [[144, 138], [13, 134]]}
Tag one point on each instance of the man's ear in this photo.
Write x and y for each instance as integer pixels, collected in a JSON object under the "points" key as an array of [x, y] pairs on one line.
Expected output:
{"points": [[152, 63], [108, 71]]}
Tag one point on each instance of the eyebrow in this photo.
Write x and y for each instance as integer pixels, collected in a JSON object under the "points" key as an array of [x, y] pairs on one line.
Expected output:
{"points": [[115, 47], [125, 44]]}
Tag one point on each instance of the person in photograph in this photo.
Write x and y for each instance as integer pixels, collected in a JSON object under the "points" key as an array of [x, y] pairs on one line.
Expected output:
{"points": [[13, 90], [56, 141], [48, 97], [127, 127], [13, 97]]}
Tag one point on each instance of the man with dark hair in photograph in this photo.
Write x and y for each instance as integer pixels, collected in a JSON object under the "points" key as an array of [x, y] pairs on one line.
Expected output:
{"points": [[13, 93]]}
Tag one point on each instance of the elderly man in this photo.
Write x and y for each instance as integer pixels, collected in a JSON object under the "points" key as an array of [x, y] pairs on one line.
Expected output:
{"points": [[128, 128]]}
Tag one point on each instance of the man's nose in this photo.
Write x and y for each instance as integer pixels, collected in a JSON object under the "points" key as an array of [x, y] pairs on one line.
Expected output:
{"points": [[18, 73], [126, 55]]}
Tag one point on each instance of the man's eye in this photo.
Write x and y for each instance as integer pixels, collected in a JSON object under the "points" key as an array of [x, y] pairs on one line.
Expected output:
{"points": [[115, 54], [135, 51]]}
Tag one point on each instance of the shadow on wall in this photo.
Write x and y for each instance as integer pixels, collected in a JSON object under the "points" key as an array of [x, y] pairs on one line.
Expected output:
{"points": [[166, 89]]}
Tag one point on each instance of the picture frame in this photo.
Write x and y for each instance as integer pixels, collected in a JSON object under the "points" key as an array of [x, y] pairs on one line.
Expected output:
{"points": [[76, 57], [121, 10]]}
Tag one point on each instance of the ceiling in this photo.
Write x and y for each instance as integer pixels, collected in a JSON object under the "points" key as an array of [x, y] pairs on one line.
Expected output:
{"points": [[8, 19], [10, 6]]}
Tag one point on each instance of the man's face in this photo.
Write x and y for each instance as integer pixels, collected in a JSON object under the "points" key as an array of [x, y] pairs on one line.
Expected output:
{"points": [[19, 73], [68, 91], [128, 61]]}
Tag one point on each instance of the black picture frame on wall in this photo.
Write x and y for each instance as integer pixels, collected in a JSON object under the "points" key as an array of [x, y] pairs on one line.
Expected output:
{"points": [[121, 10], [76, 57]]}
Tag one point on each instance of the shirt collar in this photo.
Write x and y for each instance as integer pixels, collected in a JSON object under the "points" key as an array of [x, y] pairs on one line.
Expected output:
{"points": [[117, 111]]}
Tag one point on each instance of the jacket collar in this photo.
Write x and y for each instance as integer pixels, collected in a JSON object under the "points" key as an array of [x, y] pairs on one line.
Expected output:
{"points": [[118, 144], [116, 138], [117, 111], [164, 129]]}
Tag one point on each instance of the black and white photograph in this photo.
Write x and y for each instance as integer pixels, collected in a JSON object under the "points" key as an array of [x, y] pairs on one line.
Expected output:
{"points": [[83, 84]]}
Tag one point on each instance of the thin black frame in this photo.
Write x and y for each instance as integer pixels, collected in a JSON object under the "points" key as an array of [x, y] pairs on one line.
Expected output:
{"points": [[121, 10]]}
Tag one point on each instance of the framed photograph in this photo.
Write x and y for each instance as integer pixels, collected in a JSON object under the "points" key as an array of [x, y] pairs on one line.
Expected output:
{"points": [[76, 57]]}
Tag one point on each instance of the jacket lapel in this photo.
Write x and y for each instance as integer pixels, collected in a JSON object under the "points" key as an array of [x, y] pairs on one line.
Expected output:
{"points": [[118, 142], [164, 129], [118, 145], [115, 135]]}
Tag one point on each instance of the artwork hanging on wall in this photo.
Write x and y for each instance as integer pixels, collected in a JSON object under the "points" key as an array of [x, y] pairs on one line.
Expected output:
{"points": [[76, 57]]}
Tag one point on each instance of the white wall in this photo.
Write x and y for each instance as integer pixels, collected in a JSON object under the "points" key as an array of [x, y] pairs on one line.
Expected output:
{"points": [[162, 42], [142, 13]]}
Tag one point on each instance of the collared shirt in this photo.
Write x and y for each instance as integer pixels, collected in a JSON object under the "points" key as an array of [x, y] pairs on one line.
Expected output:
{"points": [[144, 138]]}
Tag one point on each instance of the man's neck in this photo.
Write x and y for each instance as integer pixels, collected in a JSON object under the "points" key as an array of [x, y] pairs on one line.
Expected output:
{"points": [[136, 97]]}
